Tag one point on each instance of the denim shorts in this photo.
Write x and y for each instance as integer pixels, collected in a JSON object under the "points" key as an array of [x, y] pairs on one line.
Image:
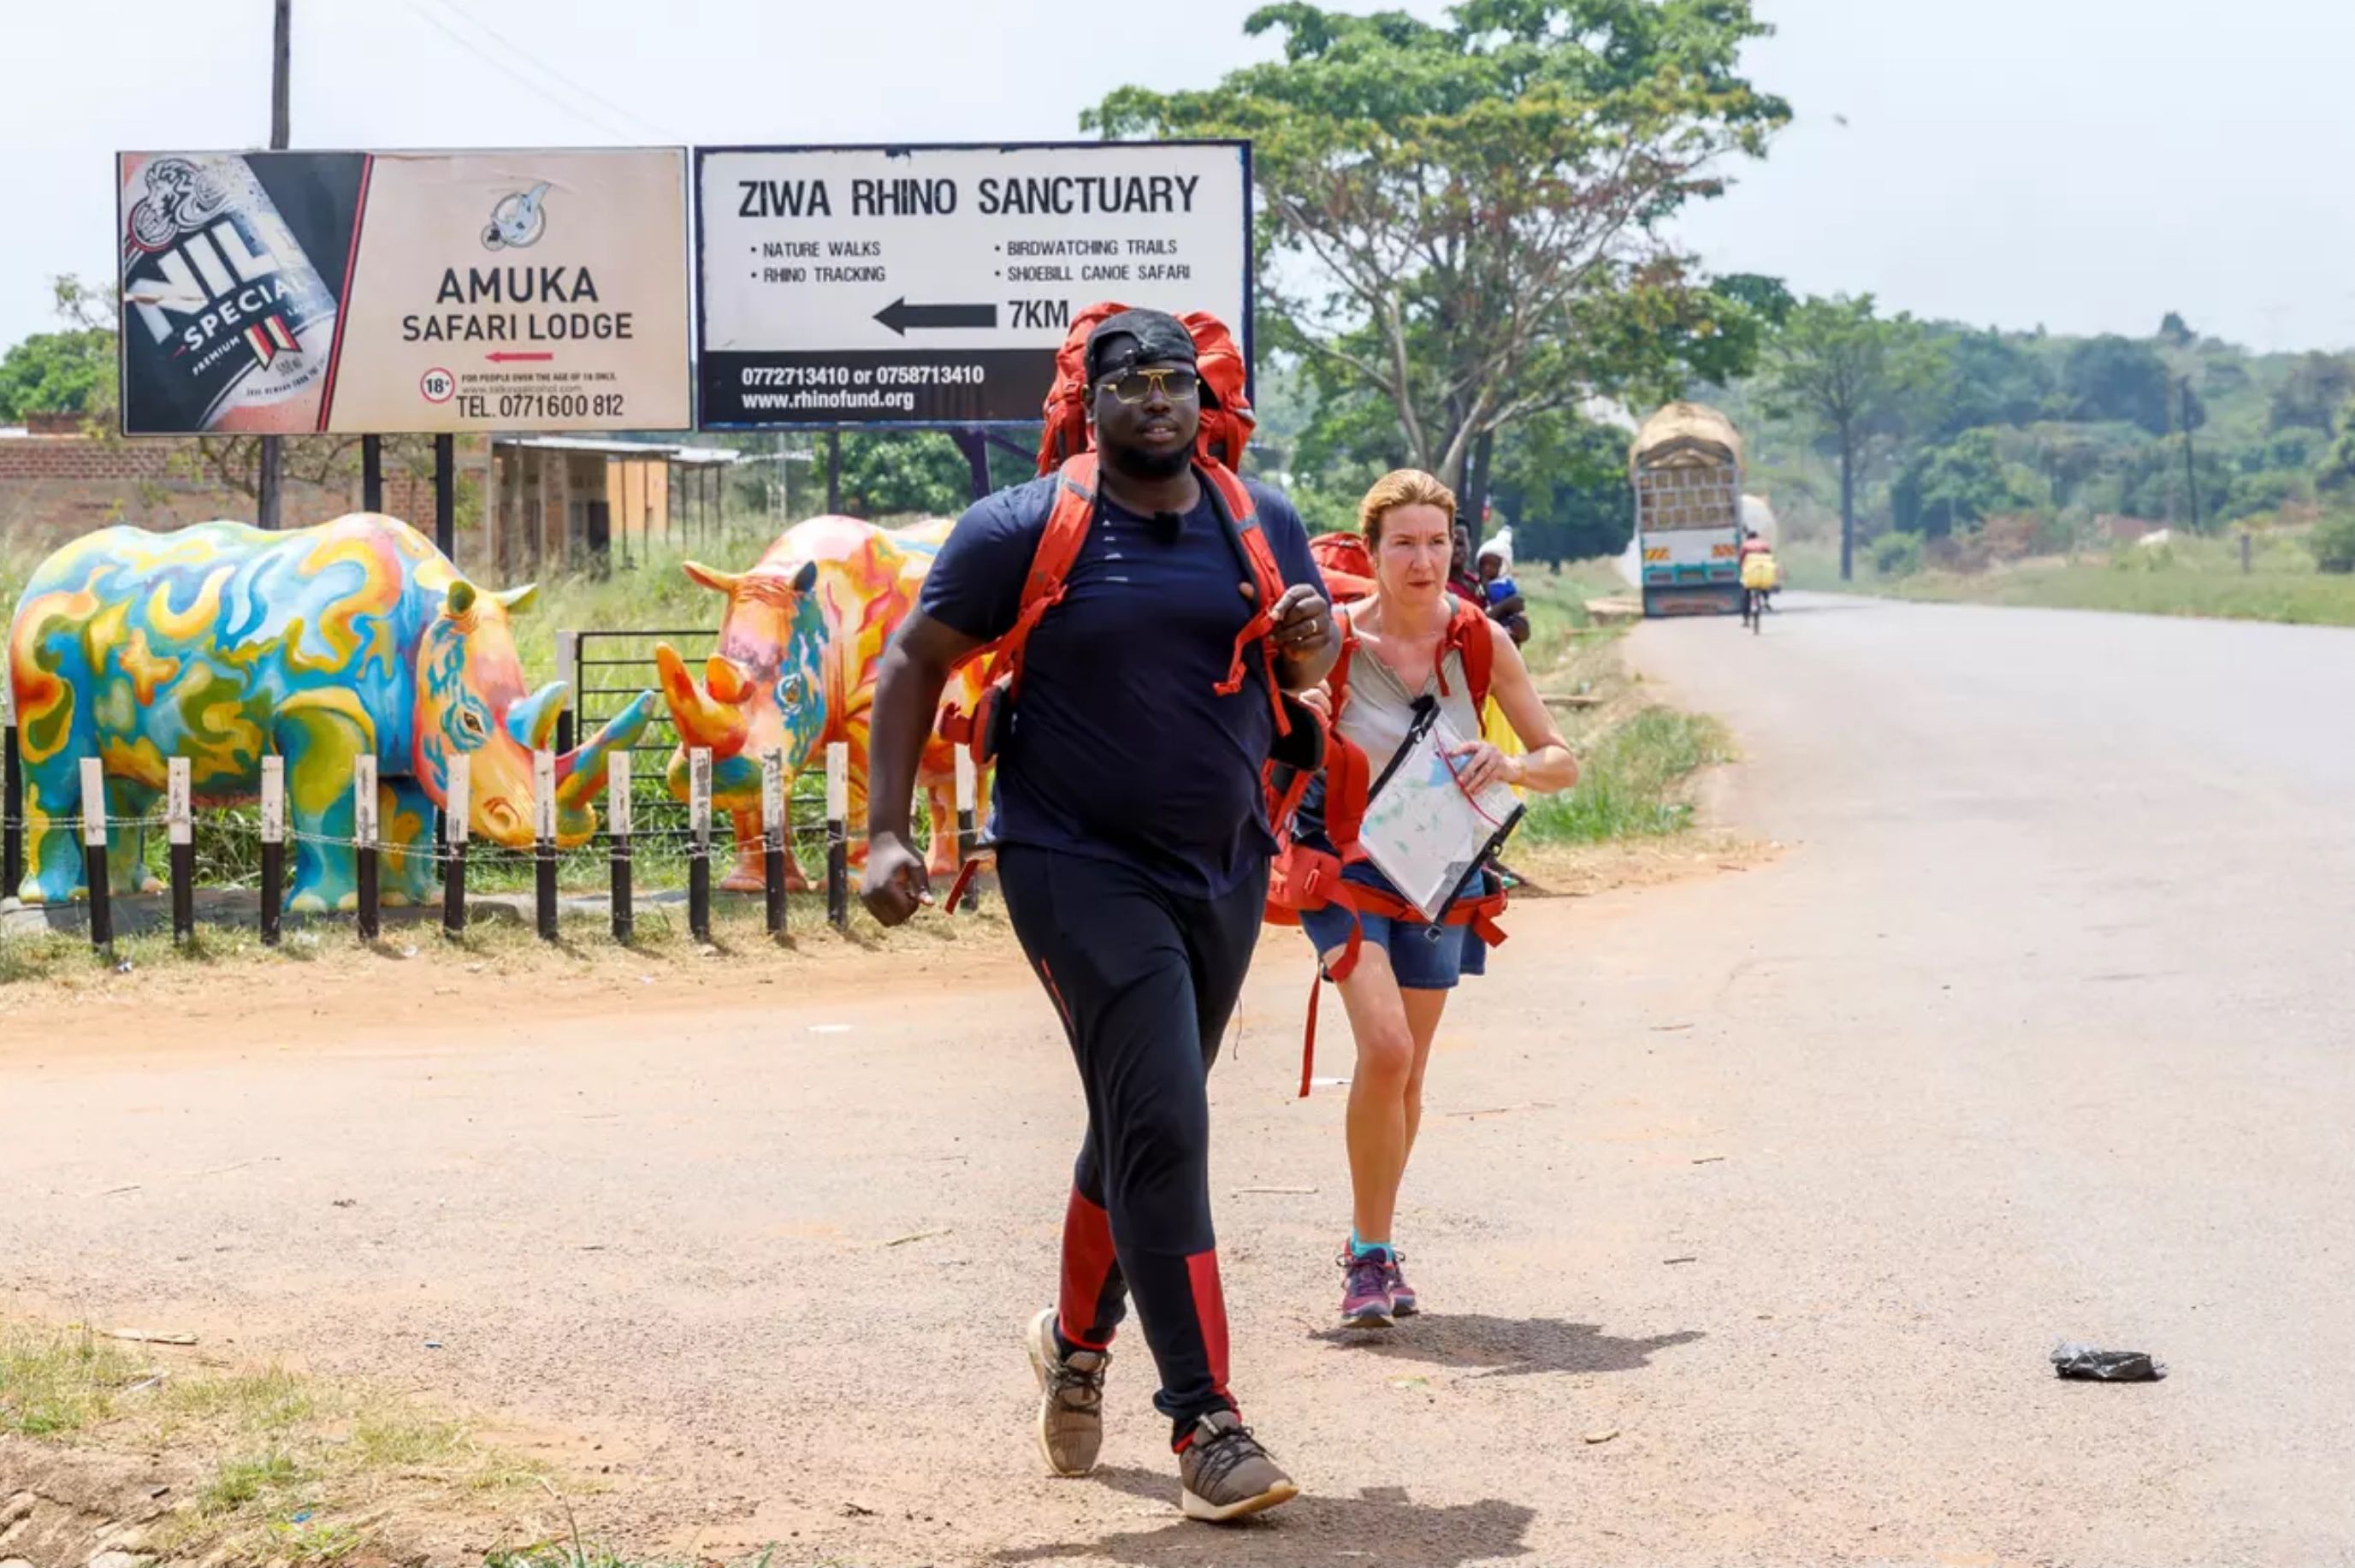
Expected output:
{"points": [[1423, 957]]}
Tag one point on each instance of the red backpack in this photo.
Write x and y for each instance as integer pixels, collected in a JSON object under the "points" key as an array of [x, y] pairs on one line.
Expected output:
{"points": [[1227, 421], [1064, 452], [1302, 878], [1348, 565]]}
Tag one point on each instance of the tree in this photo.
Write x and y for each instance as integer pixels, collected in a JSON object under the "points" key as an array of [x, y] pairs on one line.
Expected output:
{"points": [[1989, 379], [887, 474], [2310, 396], [2113, 378], [1847, 371], [65, 372], [56, 372], [1943, 490], [1562, 481], [1445, 206]]}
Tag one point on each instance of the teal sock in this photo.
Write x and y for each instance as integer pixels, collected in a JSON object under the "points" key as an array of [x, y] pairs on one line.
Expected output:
{"points": [[1359, 1249]]}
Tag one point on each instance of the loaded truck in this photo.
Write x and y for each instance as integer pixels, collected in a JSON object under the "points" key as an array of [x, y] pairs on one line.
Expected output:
{"points": [[1686, 467]]}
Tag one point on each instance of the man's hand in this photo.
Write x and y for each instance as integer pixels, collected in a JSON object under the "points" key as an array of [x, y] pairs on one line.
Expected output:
{"points": [[895, 886], [1303, 622]]}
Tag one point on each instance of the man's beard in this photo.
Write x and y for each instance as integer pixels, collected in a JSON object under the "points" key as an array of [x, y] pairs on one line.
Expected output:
{"points": [[1138, 464]]}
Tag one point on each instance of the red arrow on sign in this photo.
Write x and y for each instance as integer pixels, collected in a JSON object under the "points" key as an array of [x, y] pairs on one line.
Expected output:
{"points": [[501, 357]]}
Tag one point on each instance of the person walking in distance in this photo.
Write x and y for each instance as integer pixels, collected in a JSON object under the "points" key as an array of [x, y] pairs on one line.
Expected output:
{"points": [[1133, 847]]}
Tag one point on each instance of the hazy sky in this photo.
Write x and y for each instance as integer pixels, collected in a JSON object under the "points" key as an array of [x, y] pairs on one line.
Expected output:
{"points": [[2087, 165]]}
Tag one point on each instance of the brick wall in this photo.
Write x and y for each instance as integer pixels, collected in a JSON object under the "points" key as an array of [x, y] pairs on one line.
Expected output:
{"points": [[56, 488], [53, 487]]}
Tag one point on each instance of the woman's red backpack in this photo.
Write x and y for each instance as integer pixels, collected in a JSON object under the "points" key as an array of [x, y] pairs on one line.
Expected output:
{"points": [[1227, 421], [1347, 566]]}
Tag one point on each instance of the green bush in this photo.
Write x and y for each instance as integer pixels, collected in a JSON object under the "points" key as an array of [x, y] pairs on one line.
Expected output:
{"points": [[1897, 554], [2334, 542]]}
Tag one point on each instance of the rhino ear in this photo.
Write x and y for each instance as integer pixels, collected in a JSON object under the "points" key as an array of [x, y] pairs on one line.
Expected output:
{"points": [[806, 578], [460, 598], [517, 600], [711, 577]]}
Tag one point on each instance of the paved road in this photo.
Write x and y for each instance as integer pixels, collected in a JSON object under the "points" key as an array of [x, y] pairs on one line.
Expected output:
{"points": [[1789, 1177]]}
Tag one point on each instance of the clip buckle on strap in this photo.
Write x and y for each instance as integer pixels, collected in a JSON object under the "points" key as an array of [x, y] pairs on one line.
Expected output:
{"points": [[1338, 971], [965, 874]]}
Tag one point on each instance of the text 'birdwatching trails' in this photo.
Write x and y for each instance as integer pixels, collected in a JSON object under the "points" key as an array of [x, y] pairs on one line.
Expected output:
{"points": [[861, 285]]}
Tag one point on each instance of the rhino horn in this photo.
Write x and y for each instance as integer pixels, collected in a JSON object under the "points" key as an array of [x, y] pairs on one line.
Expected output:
{"points": [[532, 721], [704, 716], [580, 772], [725, 679]]}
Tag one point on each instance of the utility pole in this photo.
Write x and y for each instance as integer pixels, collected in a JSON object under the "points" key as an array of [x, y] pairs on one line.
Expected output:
{"points": [[2190, 475], [266, 496]]}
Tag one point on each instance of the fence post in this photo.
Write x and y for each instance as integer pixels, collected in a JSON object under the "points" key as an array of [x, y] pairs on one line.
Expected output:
{"points": [[543, 833], [699, 848], [568, 668], [12, 794], [457, 809], [364, 856], [2244, 552], [93, 843], [967, 782], [274, 847], [179, 829], [838, 836], [617, 812], [773, 837]]}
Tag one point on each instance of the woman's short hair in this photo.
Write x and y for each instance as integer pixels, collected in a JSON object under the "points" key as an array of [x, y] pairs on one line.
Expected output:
{"points": [[1401, 487]]}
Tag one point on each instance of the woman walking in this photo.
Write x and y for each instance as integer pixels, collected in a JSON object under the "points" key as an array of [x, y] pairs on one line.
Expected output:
{"points": [[1402, 647]]}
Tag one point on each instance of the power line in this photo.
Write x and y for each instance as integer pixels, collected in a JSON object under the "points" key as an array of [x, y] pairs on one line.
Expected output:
{"points": [[591, 94], [474, 50], [588, 92]]}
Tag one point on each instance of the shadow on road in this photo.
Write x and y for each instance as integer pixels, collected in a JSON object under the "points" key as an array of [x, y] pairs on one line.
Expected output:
{"points": [[1506, 1346], [1382, 1524]]}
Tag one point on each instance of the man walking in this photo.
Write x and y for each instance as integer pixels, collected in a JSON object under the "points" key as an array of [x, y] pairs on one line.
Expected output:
{"points": [[1132, 852]]}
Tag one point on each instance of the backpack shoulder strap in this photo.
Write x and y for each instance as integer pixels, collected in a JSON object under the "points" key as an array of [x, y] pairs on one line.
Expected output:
{"points": [[1069, 517], [1234, 503], [1068, 521], [1469, 635]]}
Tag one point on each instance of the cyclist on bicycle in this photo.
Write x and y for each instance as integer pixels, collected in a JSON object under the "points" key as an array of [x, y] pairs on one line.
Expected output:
{"points": [[1760, 576]]}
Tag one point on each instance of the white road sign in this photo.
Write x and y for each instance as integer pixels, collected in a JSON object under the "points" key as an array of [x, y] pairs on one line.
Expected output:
{"points": [[932, 286]]}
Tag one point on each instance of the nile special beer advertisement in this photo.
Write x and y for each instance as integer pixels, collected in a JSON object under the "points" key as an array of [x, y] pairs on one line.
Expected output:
{"points": [[291, 292]]}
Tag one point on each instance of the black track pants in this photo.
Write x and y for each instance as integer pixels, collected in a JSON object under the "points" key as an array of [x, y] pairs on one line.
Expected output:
{"points": [[1146, 981]]}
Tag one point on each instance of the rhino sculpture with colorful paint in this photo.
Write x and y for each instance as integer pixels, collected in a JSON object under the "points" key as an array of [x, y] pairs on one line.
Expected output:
{"points": [[799, 648], [223, 643]]}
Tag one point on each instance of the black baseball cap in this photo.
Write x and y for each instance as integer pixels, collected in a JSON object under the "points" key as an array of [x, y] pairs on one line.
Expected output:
{"points": [[1159, 337]]}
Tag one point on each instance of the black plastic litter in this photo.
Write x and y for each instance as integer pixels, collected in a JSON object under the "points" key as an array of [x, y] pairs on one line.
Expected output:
{"points": [[2086, 1364]]}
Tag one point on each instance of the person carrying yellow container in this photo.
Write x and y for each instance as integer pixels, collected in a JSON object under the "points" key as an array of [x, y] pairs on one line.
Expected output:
{"points": [[1760, 577]]}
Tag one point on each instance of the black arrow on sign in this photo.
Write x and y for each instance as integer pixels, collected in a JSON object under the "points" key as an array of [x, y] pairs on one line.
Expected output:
{"points": [[899, 316]]}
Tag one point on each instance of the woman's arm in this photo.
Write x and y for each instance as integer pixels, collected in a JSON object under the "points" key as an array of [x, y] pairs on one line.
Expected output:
{"points": [[1548, 765]]}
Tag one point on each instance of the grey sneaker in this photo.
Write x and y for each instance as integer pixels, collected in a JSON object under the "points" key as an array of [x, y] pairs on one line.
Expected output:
{"points": [[1225, 1474], [1070, 1399]]}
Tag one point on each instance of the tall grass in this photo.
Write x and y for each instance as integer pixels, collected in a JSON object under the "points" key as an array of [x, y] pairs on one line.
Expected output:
{"points": [[1632, 781]]}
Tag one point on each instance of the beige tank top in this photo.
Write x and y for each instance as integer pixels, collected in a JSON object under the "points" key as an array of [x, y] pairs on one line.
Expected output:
{"points": [[1380, 709]]}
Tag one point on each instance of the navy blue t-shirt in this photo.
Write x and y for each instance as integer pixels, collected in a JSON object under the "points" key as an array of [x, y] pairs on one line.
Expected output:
{"points": [[1119, 747]]}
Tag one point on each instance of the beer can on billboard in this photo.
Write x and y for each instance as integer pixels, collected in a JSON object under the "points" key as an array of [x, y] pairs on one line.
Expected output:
{"points": [[229, 321], [356, 292]]}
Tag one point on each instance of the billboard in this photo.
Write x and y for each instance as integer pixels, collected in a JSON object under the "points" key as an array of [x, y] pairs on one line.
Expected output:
{"points": [[287, 293], [932, 285]]}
